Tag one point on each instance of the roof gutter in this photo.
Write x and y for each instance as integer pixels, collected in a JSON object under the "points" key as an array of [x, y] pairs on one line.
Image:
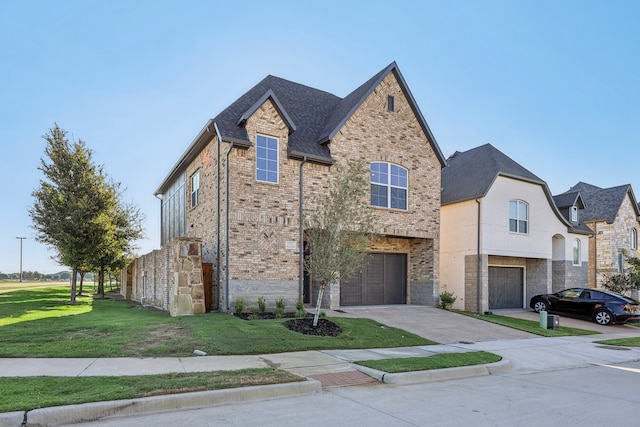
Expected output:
{"points": [[299, 155]]}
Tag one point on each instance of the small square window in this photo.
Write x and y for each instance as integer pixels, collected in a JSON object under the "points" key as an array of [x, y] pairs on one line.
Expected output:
{"points": [[390, 104]]}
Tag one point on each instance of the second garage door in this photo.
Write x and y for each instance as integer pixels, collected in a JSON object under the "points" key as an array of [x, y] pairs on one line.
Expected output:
{"points": [[506, 287], [382, 280]]}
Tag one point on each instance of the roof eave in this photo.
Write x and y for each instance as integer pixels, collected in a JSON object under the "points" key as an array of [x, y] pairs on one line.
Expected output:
{"points": [[204, 136]]}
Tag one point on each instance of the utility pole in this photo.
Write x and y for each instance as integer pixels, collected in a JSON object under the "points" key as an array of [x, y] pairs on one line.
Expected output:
{"points": [[21, 239]]}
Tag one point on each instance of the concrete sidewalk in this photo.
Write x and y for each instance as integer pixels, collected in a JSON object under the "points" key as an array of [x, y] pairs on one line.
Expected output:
{"points": [[521, 353]]}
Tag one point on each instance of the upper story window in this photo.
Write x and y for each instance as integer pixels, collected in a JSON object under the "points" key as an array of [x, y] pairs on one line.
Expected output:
{"points": [[195, 189], [388, 186], [518, 216], [267, 159], [577, 255], [634, 239], [391, 104], [574, 214]]}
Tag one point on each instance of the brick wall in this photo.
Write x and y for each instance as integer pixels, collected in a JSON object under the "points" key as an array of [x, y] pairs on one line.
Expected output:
{"points": [[263, 217]]}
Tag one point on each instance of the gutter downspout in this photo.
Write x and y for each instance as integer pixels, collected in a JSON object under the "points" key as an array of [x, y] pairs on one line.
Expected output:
{"points": [[478, 265], [226, 252], [215, 125], [301, 238]]}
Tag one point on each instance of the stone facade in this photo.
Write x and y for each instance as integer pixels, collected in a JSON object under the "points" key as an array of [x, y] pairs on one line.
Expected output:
{"points": [[169, 279], [187, 290], [608, 241]]}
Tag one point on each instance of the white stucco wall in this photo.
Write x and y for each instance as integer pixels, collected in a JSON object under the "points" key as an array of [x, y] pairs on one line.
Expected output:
{"points": [[459, 230]]}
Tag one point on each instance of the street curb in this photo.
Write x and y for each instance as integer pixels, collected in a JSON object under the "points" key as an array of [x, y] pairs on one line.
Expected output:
{"points": [[416, 377], [86, 412]]}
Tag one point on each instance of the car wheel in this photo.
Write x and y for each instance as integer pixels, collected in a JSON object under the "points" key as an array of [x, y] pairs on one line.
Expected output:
{"points": [[603, 317], [541, 306]]}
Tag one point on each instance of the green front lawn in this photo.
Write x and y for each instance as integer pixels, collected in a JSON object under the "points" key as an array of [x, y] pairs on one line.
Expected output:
{"points": [[41, 323]]}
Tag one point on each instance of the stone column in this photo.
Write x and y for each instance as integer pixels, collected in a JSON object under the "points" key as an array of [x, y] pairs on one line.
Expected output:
{"points": [[187, 290]]}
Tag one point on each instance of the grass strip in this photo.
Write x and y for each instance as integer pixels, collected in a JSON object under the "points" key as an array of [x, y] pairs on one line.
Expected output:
{"points": [[438, 361], [528, 325], [26, 393], [623, 342]]}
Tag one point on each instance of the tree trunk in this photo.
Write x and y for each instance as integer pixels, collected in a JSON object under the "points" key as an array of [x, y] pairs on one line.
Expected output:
{"points": [[101, 283], [82, 273], [72, 300], [318, 303]]}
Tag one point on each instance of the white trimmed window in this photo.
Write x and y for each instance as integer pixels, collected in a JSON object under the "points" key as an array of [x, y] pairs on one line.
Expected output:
{"points": [[574, 214], [389, 184], [634, 239], [267, 159], [518, 216], [576, 252], [195, 189]]}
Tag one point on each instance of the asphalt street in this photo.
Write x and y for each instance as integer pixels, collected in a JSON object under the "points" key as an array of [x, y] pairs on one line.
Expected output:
{"points": [[585, 396]]}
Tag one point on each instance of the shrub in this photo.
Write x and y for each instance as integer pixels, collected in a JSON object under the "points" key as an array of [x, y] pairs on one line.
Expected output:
{"points": [[446, 300], [262, 305], [279, 308], [239, 306]]}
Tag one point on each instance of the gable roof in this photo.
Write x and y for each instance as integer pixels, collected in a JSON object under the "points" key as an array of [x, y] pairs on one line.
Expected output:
{"points": [[313, 117], [470, 175], [603, 204], [566, 200]]}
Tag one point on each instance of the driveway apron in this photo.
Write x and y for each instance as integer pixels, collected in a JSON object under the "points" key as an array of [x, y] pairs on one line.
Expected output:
{"points": [[441, 326]]}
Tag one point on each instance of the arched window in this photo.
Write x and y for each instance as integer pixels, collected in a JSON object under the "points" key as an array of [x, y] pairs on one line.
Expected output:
{"points": [[576, 252], [389, 186], [634, 239], [518, 216]]}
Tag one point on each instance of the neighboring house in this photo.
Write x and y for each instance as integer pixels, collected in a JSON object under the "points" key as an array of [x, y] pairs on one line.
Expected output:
{"points": [[502, 237], [613, 216], [241, 186]]}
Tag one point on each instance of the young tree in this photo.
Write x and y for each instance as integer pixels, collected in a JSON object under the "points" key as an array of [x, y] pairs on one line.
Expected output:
{"points": [[340, 230], [627, 281]]}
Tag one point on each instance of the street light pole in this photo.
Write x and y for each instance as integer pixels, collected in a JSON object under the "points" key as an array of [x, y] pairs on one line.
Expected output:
{"points": [[21, 239]]}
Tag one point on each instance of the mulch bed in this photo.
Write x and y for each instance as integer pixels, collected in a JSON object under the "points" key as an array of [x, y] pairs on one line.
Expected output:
{"points": [[304, 325]]}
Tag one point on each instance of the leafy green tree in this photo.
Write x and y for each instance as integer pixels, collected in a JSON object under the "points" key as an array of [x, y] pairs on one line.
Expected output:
{"points": [[76, 209], [340, 230]]}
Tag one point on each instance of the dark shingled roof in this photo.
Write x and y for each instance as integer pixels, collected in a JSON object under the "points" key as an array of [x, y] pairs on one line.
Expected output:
{"points": [[308, 108], [603, 204], [471, 174], [312, 115], [564, 202]]}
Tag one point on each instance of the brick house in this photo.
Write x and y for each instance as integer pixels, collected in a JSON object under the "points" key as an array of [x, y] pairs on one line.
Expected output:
{"points": [[614, 217], [239, 190], [503, 239]]}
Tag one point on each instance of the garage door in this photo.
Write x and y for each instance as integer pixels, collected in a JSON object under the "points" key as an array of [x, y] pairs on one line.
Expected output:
{"points": [[506, 287], [382, 280]]}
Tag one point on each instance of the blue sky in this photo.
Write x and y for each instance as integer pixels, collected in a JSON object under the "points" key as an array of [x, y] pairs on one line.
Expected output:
{"points": [[553, 84]]}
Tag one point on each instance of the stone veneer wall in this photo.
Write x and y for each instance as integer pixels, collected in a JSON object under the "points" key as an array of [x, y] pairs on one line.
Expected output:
{"points": [[187, 290], [169, 279], [150, 278]]}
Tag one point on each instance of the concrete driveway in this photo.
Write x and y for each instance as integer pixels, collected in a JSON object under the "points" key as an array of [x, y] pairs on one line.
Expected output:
{"points": [[446, 327]]}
